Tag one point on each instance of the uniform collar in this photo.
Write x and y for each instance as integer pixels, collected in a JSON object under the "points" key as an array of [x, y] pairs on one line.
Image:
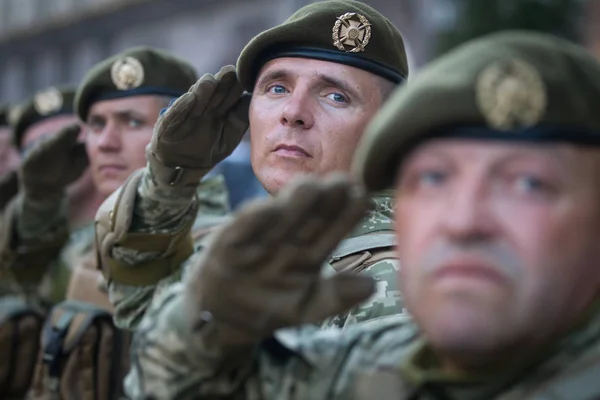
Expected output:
{"points": [[421, 366]]}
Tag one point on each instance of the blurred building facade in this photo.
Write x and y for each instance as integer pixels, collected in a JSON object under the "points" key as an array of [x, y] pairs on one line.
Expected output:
{"points": [[50, 42]]}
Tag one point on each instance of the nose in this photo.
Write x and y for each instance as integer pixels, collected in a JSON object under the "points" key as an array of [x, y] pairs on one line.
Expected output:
{"points": [[297, 111], [468, 216], [110, 138]]}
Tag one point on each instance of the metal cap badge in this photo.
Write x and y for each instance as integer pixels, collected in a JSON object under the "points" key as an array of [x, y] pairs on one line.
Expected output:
{"points": [[511, 94], [48, 101], [351, 32], [127, 73]]}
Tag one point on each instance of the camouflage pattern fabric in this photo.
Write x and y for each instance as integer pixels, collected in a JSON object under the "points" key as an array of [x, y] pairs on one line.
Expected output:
{"points": [[379, 359], [36, 223], [158, 210], [162, 210], [387, 300]]}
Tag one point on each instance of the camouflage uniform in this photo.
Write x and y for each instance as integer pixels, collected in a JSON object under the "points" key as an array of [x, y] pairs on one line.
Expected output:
{"points": [[38, 224], [34, 229], [188, 344], [163, 213], [379, 359], [168, 210]]}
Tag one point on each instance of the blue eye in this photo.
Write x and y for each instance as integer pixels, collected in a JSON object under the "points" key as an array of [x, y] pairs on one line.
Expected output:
{"points": [[528, 183], [135, 123], [338, 98], [277, 89], [432, 178]]}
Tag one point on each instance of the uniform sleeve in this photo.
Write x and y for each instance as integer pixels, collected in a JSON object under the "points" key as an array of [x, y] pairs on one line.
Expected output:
{"points": [[158, 208], [387, 299], [158, 211], [33, 235], [171, 361], [131, 302], [39, 221]]}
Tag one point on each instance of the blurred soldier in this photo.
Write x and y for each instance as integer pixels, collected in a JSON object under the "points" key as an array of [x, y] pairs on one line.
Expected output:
{"points": [[9, 159], [35, 121], [119, 101], [316, 80], [46, 114], [494, 154]]}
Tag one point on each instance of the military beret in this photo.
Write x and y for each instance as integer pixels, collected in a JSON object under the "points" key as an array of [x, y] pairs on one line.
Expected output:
{"points": [[134, 72], [45, 104], [511, 85], [345, 32]]}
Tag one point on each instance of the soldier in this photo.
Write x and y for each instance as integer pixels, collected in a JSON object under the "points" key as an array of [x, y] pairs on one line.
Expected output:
{"points": [[118, 101], [36, 120], [493, 153], [316, 80], [45, 114]]}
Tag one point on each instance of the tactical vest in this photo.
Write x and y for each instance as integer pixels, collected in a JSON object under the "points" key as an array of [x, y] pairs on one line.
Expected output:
{"points": [[20, 327], [83, 355]]}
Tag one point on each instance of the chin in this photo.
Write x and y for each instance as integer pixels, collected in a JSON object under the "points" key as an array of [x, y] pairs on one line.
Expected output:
{"points": [[464, 327], [274, 179]]}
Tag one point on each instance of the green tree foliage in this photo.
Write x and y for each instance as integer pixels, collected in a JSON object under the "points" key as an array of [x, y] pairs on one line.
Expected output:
{"points": [[480, 17]]}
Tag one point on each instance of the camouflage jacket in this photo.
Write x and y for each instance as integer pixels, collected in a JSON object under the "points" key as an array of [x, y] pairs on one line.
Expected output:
{"points": [[380, 359], [130, 302], [35, 236], [39, 226]]}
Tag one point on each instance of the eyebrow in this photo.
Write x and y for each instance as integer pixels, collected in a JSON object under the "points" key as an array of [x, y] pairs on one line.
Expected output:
{"points": [[119, 114], [329, 80], [338, 83], [272, 76]]}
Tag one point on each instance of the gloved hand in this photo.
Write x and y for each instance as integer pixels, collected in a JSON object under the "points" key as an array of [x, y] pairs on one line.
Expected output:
{"points": [[199, 130], [53, 164], [262, 271], [9, 187]]}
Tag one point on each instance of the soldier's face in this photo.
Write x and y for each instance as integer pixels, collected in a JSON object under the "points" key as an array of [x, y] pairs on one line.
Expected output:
{"points": [[499, 243], [307, 116], [9, 157], [40, 130], [117, 134]]}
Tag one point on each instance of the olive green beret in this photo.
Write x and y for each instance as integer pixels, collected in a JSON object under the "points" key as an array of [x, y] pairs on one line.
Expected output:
{"points": [[134, 72], [510, 85], [45, 104], [345, 32]]}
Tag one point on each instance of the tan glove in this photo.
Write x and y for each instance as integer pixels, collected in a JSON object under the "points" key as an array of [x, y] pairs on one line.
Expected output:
{"points": [[199, 130], [9, 187], [53, 164], [262, 271]]}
